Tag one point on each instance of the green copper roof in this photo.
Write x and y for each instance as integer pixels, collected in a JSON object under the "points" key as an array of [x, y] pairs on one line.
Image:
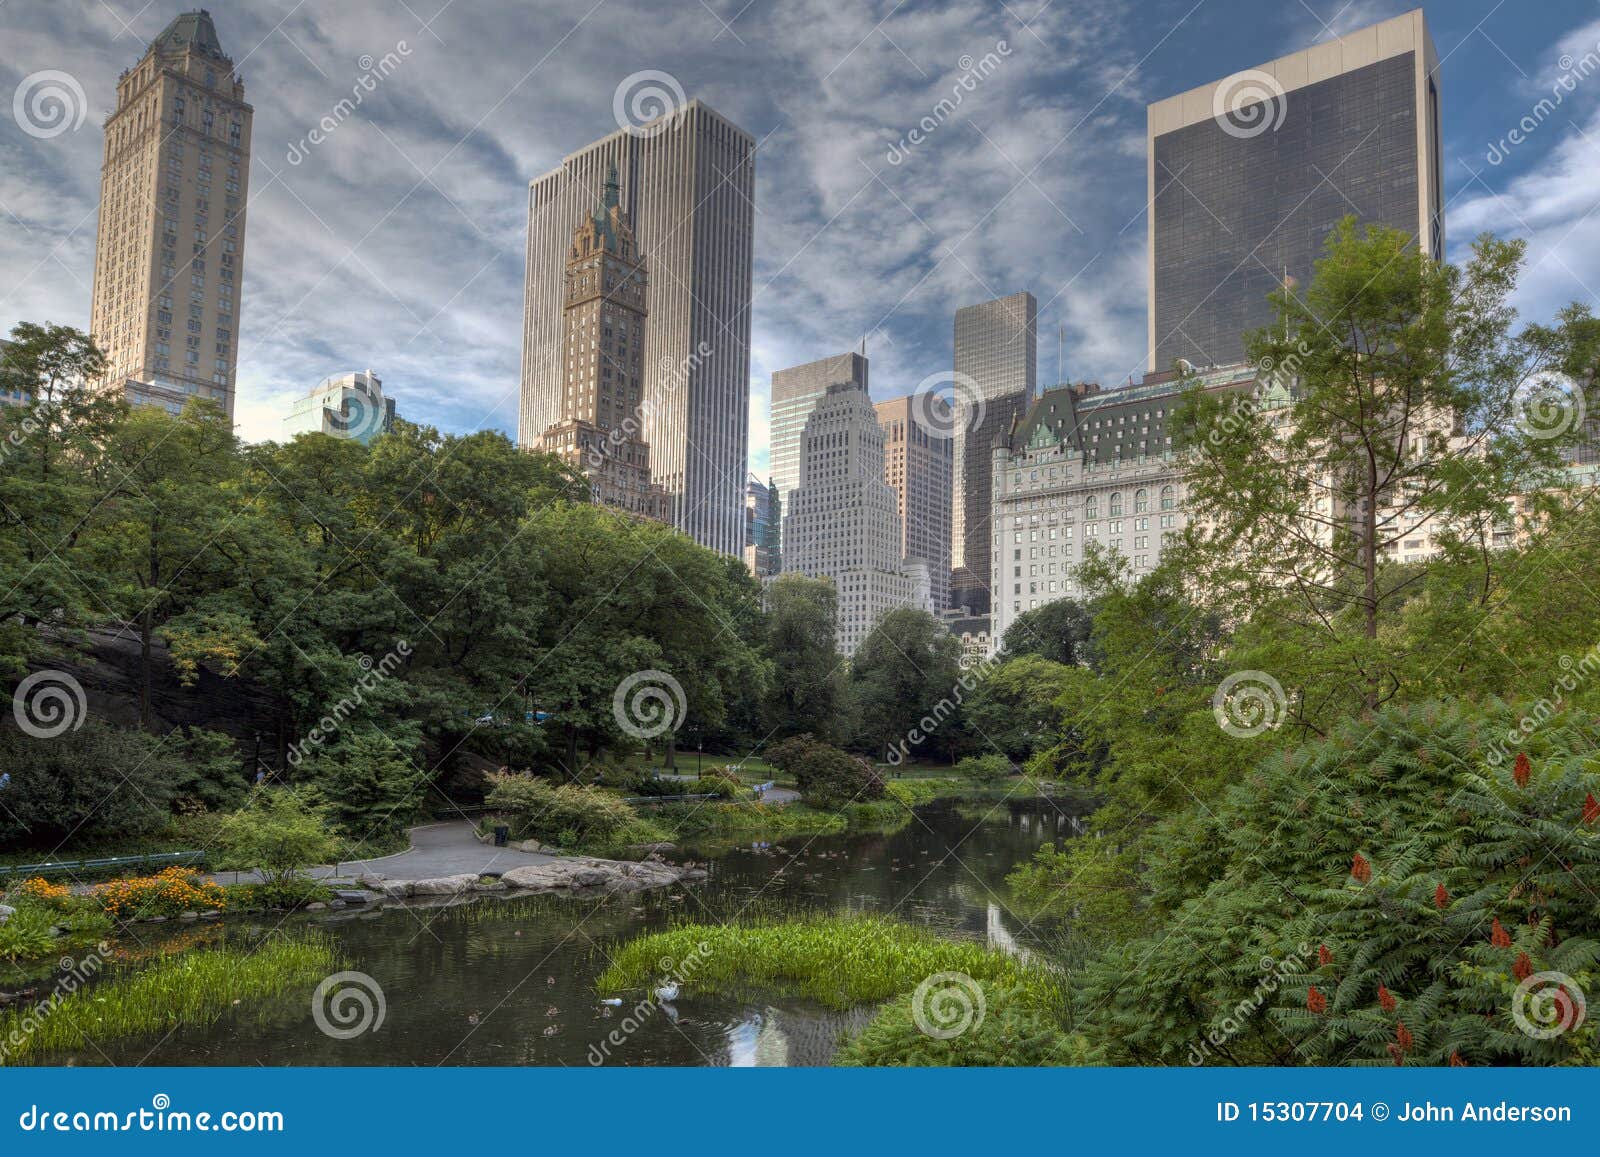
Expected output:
{"points": [[193, 32]]}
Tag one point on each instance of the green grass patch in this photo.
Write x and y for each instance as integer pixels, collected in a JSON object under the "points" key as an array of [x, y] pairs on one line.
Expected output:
{"points": [[196, 988], [836, 961], [754, 821]]}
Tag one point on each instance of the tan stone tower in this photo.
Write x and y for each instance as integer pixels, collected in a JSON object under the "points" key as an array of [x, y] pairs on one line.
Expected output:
{"points": [[169, 258], [602, 350]]}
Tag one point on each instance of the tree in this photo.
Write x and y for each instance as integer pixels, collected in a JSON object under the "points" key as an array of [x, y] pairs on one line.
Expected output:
{"points": [[278, 834], [810, 690], [905, 674], [1056, 631], [826, 776], [1393, 388], [366, 782]]}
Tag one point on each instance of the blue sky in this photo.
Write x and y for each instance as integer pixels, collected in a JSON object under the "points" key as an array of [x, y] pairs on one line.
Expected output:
{"points": [[397, 243]]}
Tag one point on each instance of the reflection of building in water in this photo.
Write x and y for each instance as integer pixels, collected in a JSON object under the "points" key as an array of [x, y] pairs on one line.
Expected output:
{"points": [[778, 1038], [999, 936]]}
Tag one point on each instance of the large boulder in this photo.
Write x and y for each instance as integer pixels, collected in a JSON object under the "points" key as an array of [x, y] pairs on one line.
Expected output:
{"points": [[587, 873], [444, 885]]}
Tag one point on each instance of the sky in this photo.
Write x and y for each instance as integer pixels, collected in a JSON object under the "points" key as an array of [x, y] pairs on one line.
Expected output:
{"points": [[397, 242]]}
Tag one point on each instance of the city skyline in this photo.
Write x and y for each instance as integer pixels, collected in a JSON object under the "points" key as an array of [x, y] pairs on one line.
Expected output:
{"points": [[449, 309]]}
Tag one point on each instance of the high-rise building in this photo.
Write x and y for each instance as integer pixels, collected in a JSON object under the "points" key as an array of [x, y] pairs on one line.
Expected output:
{"points": [[1084, 467], [687, 185], [1247, 176], [996, 376], [169, 256], [841, 521], [763, 514], [917, 464], [344, 406], [795, 393], [603, 330]]}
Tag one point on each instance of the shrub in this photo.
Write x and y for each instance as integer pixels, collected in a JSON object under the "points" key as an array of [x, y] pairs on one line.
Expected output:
{"points": [[40, 891], [167, 893], [719, 782], [826, 776], [96, 783], [286, 892], [564, 814], [278, 834], [27, 934], [367, 783], [210, 776], [984, 769], [1015, 1030]]}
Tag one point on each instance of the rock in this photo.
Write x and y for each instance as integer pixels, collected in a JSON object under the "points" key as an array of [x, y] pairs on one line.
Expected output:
{"points": [[316, 906], [589, 873], [156, 920], [6, 912], [352, 896], [211, 914], [488, 884], [336, 904], [379, 885], [188, 915], [444, 885], [528, 845]]}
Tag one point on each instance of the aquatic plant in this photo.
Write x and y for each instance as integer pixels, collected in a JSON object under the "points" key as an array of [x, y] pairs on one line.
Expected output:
{"points": [[836, 961], [1001, 1026], [176, 991]]}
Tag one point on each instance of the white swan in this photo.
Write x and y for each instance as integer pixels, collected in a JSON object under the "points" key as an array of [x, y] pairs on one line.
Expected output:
{"points": [[668, 992]]}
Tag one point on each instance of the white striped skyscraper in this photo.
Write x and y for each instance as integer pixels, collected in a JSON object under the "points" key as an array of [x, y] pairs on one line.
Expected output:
{"points": [[688, 184]]}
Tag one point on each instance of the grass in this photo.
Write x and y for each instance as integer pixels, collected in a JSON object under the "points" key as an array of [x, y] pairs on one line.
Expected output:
{"points": [[836, 961], [196, 988]]}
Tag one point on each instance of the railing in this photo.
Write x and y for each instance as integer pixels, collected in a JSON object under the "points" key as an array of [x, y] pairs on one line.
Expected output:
{"points": [[110, 864]]}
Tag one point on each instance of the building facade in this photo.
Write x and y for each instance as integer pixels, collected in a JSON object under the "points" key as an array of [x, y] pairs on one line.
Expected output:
{"points": [[603, 331], [842, 523], [763, 515], [1089, 466], [1247, 177], [996, 377], [917, 464], [169, 254], [687, 186], [795, 392], [349, 406]]}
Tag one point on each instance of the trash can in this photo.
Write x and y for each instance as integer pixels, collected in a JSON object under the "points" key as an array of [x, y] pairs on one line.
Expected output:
{"points": [[502, 832]]}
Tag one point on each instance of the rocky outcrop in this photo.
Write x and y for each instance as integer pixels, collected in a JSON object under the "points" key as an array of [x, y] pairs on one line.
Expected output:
{"points": [[584, 873], [444, 885]]}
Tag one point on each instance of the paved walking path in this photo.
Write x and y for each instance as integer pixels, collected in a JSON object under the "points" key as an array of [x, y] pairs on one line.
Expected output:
{"points": [[773, 794], [448, 848]]}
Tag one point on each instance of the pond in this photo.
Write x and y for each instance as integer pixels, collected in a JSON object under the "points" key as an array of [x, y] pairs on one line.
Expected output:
{"points": [[511, 982]]}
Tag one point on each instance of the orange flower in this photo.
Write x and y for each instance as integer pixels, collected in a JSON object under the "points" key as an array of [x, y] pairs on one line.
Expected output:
{"points": [[1591, 809], [1522, 769], [1455, 1060], [1316, 1002], [1360, 869], [1523, 968], [1402, 1037], [1386, 1000], [1498, 936], [1440, 897], [1324, 957]]}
